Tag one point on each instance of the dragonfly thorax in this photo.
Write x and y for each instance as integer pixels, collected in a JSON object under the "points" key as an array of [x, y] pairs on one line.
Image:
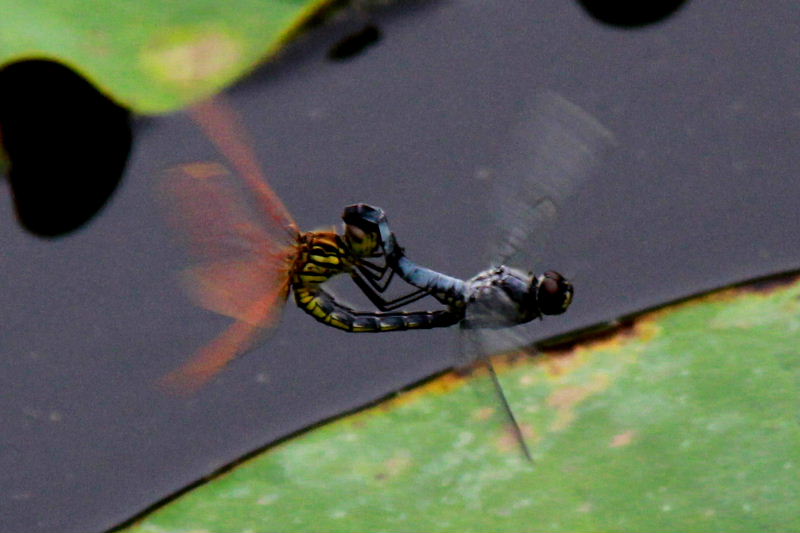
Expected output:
{"points": [[504, 297]]}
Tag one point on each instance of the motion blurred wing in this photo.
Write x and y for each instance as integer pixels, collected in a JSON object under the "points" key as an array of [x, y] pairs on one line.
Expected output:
{"points": [[552, 151], [223, 126], [475, 352], [242, 241], [554, 148], [239, 262]]}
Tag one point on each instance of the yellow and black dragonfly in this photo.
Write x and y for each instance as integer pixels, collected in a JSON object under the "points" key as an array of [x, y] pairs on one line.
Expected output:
{"points": [[249, 254]]}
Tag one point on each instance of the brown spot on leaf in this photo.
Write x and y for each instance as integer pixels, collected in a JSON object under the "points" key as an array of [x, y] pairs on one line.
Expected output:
{"points": [[394, 466], [508, 439], [483, 413], [565, 399], [441, 384], [622, 439], [563, 363]]}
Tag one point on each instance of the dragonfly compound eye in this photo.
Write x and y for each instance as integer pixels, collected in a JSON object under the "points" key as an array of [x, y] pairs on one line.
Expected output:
{"points": [[554, 293], [361, 230]]}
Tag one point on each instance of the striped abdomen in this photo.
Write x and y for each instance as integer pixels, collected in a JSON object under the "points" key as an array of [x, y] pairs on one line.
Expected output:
{"points": [[323, 307], [323, 255]]}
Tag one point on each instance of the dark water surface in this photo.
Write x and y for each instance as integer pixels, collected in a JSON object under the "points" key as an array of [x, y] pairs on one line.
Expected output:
{"points": [[700, 191]]}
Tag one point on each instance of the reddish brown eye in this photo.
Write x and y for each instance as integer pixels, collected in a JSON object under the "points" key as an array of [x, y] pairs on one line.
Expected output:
{"points": [[550, 286], [554, 294]]}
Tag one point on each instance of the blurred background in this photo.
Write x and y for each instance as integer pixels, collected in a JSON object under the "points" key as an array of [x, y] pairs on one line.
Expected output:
{"points": [[402, 105]]}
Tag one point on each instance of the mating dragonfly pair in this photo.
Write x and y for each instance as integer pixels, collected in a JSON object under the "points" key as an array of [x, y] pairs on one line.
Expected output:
{"points": [[251, 254]]}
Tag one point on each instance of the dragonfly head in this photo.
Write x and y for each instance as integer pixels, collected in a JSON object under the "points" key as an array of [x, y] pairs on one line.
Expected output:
{"points": [[505, 296], [361, 229], [552, 292], [529, 296]]}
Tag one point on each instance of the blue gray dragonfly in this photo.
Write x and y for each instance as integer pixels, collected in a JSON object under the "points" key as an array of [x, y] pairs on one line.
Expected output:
{"points": [[552, 151]]}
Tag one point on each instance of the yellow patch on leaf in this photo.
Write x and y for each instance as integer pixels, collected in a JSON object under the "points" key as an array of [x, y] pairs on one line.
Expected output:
{"points": [[187, 58]]}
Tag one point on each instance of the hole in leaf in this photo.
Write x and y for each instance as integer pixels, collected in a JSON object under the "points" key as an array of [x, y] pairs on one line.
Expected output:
{"points": [[66, 143], [631, 13], [355, 43]]}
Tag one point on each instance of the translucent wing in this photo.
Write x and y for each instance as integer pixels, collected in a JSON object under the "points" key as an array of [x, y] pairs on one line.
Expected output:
{"points": [[481, 343], [475, 353], [554, 148], [238, 260], [208, 361], [242, 241], [221, 124]]}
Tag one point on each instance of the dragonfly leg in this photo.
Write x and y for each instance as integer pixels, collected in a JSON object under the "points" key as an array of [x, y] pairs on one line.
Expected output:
{"points": [[375, 274], [372, 222], [518, 434], [382, 303]]}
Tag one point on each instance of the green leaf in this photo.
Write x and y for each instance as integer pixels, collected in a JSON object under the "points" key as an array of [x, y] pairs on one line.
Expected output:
{"points": [[151, 55], [688, 420]]}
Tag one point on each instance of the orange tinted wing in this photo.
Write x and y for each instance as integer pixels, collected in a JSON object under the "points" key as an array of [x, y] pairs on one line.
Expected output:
{"points": [[242, 238], [242, 261], [222, 125], [237, 339], [238, 259]]}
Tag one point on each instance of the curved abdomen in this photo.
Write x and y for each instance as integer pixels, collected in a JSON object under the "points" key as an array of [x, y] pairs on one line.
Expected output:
{"points": [[324, 308], [322, 256]]}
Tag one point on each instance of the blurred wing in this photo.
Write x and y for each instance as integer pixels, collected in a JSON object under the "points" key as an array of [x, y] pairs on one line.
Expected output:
{"points": [[482, 343], [240, 267], [239, 261], [475, 352], [242, 241], [223, 126], [207, 362], [555, 147]]}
